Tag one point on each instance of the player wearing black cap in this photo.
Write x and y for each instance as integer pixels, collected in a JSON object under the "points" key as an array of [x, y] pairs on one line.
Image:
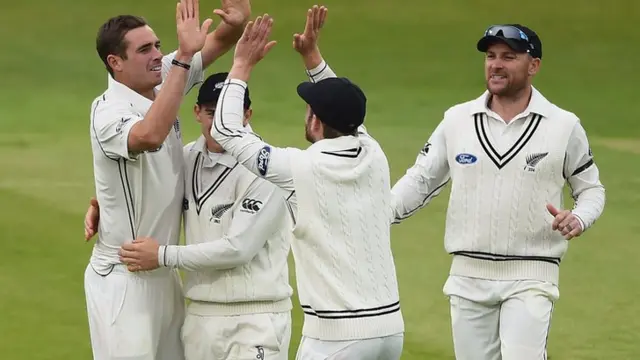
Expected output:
{"points": [[340, 195], [508, 155], [237, 235]]}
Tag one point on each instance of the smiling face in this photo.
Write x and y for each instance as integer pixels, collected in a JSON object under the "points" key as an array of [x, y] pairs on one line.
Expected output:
{"points": [[141, 64], [507, 72]]}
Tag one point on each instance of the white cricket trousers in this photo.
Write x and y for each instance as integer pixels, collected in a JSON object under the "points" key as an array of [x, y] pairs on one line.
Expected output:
{"points": [[135, 316], [500, 320], [382, 348], [263, 336]]}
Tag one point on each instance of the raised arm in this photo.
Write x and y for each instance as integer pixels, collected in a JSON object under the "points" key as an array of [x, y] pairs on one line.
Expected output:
{"points": [[235, 15], [424, 180], [588, 192], [149, 132], [267, 161]]}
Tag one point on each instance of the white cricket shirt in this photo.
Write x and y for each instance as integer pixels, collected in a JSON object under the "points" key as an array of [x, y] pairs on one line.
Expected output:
{"points": [[237, 232], [139, 194], [341, 189], [503, 175]]}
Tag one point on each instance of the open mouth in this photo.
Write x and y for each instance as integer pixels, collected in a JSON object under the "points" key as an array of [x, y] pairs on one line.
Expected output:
{"points": [[156, 68]]}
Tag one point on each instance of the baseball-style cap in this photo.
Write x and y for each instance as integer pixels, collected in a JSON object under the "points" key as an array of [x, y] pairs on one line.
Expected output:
{"points": [[336, 102], [518, 37], [211, 89]]}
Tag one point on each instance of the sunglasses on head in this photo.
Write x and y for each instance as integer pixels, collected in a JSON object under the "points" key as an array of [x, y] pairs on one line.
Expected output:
{"points": [[507, 31]]}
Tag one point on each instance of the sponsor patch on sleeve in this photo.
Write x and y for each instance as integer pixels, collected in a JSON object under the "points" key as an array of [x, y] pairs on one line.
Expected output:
{"points": [[263, 160]]}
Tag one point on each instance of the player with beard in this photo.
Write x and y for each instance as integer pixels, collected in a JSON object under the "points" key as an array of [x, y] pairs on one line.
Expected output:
{"points": [[508, 154]]}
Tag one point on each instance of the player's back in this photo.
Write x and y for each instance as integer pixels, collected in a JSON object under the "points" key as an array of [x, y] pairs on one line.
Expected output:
{"points": [[343, 254]]}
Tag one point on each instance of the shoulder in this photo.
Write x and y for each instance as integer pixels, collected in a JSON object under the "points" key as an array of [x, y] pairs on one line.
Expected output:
{"points": [[108, 107], [565, 117]]}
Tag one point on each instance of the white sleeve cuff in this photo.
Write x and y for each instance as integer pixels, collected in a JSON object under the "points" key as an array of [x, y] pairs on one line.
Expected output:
{"points": [[168, 256], [582, 225], [238, 82]]}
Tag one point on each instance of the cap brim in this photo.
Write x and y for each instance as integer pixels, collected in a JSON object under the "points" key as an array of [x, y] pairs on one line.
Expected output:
{"points": [[304, 91], [485, 42]]}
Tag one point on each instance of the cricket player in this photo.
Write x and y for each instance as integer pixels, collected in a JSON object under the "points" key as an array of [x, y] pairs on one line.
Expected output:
{"points": [[507, 154], [137, 154], [341, 195], [237, 231]]}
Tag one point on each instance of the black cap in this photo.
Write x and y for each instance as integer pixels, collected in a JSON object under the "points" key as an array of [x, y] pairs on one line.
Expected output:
{"points": [[518, 37], [212, 87], [336, 102]]}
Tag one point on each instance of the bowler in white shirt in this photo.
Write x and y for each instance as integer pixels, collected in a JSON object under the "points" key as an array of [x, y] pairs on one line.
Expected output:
{"points": [[139, 177]]}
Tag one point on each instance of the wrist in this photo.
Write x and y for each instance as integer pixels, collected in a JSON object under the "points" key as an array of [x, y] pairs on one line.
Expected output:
{"points": [[240, 71], [312, 59], [183, 57]]}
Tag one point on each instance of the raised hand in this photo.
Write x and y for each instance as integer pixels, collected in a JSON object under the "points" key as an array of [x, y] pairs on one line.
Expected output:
{"points": [[234, 12], [191, 36], [254, 44], [565, 222], [308, 41]]}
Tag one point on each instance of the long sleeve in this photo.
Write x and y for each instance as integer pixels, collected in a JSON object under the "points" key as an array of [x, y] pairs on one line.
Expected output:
{"points": [[424, 180], [267, 161], [248, 233], [583, 177]]}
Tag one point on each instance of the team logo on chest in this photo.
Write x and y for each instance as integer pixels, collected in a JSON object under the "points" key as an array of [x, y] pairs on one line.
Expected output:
{"points": [[217, 212], [533, 160]]}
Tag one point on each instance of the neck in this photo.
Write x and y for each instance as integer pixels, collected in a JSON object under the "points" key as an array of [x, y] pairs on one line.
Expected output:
{"points": [[510, 106], [213, 146], [146, 92]]}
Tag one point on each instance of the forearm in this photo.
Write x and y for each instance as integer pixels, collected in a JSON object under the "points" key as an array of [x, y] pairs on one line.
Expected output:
{"points": [[316, 67], [220, 254], [219, 42], [411, 194], [153, 129], [590, 205]]}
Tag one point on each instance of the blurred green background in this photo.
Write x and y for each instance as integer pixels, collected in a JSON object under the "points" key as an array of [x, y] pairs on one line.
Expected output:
{"points": [[413, 58]]}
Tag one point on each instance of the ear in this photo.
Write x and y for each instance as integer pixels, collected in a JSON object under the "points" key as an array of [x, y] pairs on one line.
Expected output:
{"points": [[534, 67], [196, 112], [247, 117], [115, 62]]}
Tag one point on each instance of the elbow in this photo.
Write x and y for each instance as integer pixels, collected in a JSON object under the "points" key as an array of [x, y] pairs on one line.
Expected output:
{"points": [[146, 140]]}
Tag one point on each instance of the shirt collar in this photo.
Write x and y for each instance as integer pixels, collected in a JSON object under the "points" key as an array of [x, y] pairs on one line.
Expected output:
{"points": [[537, 105], [122, 91], [224, 159]]}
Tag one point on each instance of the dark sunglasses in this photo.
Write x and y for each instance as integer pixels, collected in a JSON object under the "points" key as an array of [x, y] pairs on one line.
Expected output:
{"points": [[507, 31]]}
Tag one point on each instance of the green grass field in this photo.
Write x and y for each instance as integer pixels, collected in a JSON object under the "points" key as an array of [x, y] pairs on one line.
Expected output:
{"points": [[413, 58]]}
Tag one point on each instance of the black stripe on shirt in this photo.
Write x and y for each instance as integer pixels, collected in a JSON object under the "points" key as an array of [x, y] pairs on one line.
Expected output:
{"points": [[352, 314], [128, 197], [348, 153], [501, 160], [216, 184], [499, 257], [227, 132], [583, 167], [424, 201]]}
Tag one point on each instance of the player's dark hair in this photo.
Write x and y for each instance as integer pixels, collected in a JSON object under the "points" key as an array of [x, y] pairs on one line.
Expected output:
{"points": [[330, 133], [110, 39]]}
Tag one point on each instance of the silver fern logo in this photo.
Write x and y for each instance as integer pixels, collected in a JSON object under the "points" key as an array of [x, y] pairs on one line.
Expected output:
{"points": [[218, 211], [533, 160]]}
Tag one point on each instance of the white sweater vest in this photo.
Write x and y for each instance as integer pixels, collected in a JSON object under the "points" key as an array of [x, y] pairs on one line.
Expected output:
{"points": [[344, 265], [262, 285], [497, 222]]}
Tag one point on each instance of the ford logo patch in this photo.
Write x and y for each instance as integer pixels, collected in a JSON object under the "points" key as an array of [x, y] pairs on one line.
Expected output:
{"points": [[465, 158]]}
